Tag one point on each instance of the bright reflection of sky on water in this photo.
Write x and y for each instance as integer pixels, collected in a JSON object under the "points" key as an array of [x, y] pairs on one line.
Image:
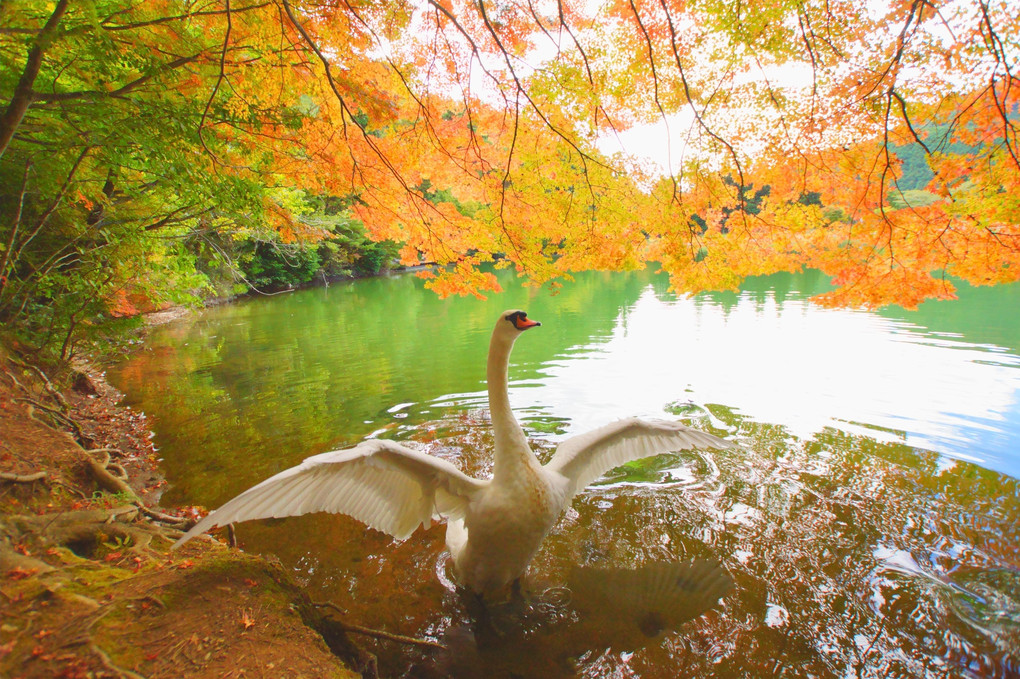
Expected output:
{"points": [[795, 365], [829, 536]]}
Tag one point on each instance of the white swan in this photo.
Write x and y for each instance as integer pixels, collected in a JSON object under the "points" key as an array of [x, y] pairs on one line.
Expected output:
{"points": [[494, 527]]}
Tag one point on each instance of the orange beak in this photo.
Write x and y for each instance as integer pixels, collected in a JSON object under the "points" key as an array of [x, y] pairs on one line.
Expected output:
{"points": [[524, 323]]}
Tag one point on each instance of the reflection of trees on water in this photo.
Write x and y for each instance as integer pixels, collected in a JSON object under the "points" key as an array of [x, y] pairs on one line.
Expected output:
{"points": [[849, 556], [975, 317], [978, 316], [246, 390]]}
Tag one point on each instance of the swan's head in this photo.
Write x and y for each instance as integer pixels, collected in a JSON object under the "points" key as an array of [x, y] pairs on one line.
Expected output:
{"points": [[514, 322]]}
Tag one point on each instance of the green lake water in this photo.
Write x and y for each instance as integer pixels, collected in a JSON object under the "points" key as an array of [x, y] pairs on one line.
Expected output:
{"points": [[868, 525]]}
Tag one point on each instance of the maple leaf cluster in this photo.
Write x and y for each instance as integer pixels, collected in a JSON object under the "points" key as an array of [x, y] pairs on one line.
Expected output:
{"points": [[141, 141]]}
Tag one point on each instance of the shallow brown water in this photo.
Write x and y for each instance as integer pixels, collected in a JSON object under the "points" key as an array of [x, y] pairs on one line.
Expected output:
{"points": [[867, 526]]}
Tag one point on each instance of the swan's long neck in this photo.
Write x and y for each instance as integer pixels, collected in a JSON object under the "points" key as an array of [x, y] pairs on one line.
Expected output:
{"points": [[512, 450]]}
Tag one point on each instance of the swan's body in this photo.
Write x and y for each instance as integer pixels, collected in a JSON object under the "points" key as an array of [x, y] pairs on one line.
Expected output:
{"points": [[494, 527]]}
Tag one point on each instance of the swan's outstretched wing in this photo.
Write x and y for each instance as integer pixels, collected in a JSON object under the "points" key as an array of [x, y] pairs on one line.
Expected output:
{"points": [[584, 458], [381, 483]]}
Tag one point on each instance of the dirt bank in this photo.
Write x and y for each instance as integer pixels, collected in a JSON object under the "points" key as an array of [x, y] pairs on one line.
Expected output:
{"points": [[88, 585]]}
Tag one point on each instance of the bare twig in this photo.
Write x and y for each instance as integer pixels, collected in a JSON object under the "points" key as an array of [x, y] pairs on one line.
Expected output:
{"points": [[378, 634], [419, 202], [676, 197], [15, 223]]}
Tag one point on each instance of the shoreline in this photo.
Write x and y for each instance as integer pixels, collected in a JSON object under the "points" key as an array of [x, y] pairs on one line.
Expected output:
{"points": [[80, 490], [88, 584], [158, 317]]}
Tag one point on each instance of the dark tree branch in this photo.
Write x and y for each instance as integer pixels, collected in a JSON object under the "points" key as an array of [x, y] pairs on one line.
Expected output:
{"points": [[676, 196], [15, 223], [419, 201], [437, 140], [120, 91], [172, 218], [216, 87], [699, 115], [107, 25], [48, 212], [585, 158], [23, 95]]}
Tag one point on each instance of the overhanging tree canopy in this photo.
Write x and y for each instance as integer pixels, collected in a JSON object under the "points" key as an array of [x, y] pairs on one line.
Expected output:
{"points": [[474, 130]]}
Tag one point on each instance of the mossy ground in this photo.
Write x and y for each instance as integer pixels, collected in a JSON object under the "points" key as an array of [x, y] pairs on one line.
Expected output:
{"points": [[88, 584]]}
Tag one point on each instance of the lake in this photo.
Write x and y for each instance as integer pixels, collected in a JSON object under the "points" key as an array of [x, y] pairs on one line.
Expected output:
{"points": [[868, 525]]}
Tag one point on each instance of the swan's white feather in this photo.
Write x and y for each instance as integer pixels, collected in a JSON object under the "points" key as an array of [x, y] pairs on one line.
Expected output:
{"points": [[586, 457], [381, 483], [494, 527]]}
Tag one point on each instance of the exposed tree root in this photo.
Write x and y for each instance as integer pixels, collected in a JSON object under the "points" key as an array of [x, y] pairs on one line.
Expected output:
{"points": [[334, 633], [14, 380], [55, 413], [103, 655], [100, 471], [110, 665], [109, 475], [11, 560], [378, 634], [50, 389], [22, 478], [66, 572], [41, 476], [176, 521], [84, 531], [107, 481]]}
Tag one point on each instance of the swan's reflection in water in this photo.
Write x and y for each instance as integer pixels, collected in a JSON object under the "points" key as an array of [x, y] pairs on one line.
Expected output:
{"points": [[545, 630], [855, 428], [849, 557]]}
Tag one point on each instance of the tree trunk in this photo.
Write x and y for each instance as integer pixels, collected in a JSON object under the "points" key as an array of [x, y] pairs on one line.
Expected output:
{"points": [[22, 97]]}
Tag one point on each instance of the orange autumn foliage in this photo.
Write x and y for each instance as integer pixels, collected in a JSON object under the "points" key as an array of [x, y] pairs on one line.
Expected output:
{"points": [[476, 131]]}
